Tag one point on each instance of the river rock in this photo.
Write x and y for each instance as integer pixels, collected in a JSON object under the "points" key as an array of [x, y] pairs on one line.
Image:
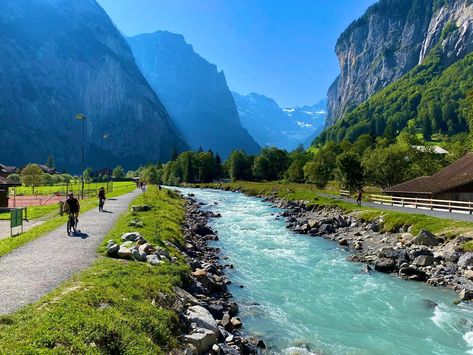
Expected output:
{"points": [[326, 228], [202, 230], [236, 322], [466, 260], [423, 260], [124, 252], [466, 294], [203, 339], [146, 249], [137, 255], [385, 265], [153, 259], [132, 237], [140, 208], [343, 242], [420, 250], [426, 238], [112, 249], [226, 322], [387, 252], [202, 318]]}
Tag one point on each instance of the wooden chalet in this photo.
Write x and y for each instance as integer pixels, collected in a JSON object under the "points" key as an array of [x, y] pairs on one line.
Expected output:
{"points": [[4, 186], [454, 182]]}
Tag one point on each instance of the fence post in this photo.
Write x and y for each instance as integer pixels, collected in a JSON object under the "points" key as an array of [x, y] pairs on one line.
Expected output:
{"points": [[449, 206]]}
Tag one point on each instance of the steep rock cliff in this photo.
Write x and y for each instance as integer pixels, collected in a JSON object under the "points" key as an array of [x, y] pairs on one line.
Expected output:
{"points": [[62, 57], [390, 39], [193, 91]]}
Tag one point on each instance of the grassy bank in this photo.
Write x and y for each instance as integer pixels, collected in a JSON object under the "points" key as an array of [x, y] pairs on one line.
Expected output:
{"points": [[9, 244], [115, 306], [392, 220]]}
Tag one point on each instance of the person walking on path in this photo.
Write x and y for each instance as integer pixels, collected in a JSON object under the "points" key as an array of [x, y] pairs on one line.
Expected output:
{"points": [[359, 197], [102, 198]]}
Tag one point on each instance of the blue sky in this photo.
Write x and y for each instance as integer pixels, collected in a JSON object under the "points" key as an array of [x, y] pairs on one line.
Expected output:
{"points": [[280, 48]]}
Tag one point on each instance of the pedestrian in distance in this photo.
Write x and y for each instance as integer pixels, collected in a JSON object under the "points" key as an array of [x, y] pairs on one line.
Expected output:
{"points": [[359, 197], [102, 198]]}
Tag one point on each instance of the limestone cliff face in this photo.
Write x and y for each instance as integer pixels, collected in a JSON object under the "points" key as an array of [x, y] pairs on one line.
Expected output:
{"points": [[390, 39], [193, 91], [62, 57]]}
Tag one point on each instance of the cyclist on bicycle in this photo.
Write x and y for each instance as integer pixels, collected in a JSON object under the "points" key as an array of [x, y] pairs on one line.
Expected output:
{"points": [[102, 198], [72, 207]]}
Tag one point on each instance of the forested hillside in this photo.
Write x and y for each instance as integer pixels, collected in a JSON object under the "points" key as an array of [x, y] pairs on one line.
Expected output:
{"points": [[429, 99]]}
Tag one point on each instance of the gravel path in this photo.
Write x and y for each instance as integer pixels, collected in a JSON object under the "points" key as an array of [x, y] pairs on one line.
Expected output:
{"points": [[439, 214], [27, 273]]}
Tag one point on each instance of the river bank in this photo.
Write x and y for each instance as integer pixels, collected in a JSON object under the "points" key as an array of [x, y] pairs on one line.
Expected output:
{"points": [[212, 314]]}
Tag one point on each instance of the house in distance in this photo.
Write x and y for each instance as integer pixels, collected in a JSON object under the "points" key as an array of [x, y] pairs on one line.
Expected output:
{"points": [[454, 182]]}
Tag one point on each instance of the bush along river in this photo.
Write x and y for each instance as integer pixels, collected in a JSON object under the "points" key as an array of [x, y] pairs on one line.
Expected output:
{"points": [[301, 295]]}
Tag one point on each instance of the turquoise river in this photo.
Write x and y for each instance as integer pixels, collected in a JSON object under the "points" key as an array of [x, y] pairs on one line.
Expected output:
{"points": [[302, 296]]}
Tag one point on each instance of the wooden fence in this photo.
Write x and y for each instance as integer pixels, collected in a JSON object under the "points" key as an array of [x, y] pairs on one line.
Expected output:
{"points": [[344, 193], [425, 203]]}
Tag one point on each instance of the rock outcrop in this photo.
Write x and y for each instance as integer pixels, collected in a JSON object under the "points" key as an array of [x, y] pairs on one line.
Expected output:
{"points": [[193, 91], [389, 40]]}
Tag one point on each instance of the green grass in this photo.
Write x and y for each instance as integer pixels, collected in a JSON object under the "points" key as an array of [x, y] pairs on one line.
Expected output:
{"points": [[34, 212], [113, 307], [392, 220], [9, 244], [468, 246], [74, 186]]}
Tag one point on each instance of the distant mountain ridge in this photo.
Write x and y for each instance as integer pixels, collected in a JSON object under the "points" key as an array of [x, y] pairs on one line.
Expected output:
{"points": [[59, 58], [272, 125], [193, 91]]}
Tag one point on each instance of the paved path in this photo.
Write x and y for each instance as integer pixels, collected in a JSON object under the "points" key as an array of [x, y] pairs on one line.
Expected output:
{"points": [[27, 273], [438, 214]]}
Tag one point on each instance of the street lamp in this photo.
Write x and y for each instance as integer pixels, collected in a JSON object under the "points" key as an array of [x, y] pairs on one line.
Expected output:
{"points": [[105, 137], [81, 117]]}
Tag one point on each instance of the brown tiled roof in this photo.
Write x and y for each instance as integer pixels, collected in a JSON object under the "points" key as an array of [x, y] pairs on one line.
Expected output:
{"points": [[5, 182], [456, 174], [7, 169]]}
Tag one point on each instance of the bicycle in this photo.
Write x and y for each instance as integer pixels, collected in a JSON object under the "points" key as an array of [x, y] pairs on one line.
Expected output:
{"points": [[72, 223], [101, 204]]}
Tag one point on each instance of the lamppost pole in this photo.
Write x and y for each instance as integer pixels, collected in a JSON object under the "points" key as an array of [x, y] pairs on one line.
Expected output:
{"points": [[105, 137], [81, 117]]}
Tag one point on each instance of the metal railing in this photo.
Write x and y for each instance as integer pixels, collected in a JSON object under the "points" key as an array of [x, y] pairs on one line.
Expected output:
{"points": [[425, 203]]}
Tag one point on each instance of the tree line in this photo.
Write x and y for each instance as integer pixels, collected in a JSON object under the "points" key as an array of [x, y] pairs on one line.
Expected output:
{"points": [[367, 161]]}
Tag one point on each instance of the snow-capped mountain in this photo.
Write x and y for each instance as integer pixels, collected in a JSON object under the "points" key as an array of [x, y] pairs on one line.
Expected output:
{"points": [[272, 125]]}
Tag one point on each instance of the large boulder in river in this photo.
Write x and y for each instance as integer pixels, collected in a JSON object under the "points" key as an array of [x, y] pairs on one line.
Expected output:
{"points": [[466, 260], [426, 238], [385, 265]]}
